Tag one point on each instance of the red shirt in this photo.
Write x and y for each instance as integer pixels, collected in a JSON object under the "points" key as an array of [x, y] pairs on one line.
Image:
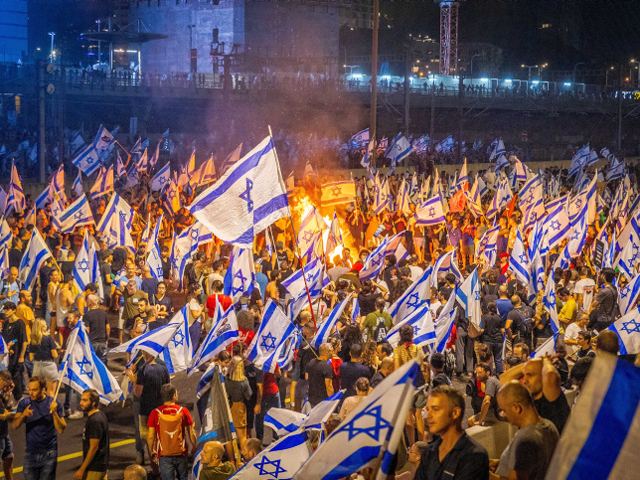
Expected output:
{"points": [[453, 337], [187, 421], [225, 302], [269, 385]]}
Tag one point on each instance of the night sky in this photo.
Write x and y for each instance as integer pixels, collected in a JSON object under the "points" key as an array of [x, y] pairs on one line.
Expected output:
{"points": [[597, 32]]}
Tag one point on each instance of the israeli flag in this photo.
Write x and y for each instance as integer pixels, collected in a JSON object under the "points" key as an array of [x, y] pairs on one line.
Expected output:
{"points": [[501, 198], [557, 226], [488, 246], [335, 235], [284, 421], [627, 261], [75, 215], [311, 224], [231, 159], [412, 299], [103, 139], [536, 277], [547, 348], [627, 296], [446, 263], [154, 159], [519, 262], [120, 170], [592, 157], [617, 170], [367, 431], [430, 212], [41, 201], [178, 352], [16, 200], [223, 333], [82, 369], [382, 198], [154, 260], [600, 439], [4, 262], [77, 184], [375, 261], [403, 201], [421, 321], [35, 254], [117, 207], [313, 273], [280, 460], [250, 193], [57, 183], [359, 140], [549, 302], [5, 232], [399, 150], [103, 184], [469, 297], [86, 268], [88, 160], [274, 329], [162, 178], [152, 342], [324, 330], [240, 277], [502, 162], [444, 323]]}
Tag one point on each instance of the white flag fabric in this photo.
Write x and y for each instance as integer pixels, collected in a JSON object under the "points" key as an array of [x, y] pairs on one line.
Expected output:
{"points": [[16, 199], [430, 212], [549, 302], [421, 321], [178, 353], [223, 332], [86, 268], [519, 262], [311, 224], [162, 178], [274, 329], [412, 299], [280, 460], [627, 296], [35, 254], [85, 369], [88, 160], [628, 330], [240, 277], [469, 297], [103, 183], [154, 260], [250, 194], [152, 342], [285, 421], [359, 439], [103, 139], [600, 440], [76, 215], [77, 184], [325, 328], [444, 323]]}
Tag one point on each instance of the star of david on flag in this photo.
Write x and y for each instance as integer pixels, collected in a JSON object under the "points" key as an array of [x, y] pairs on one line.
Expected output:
{"points": [[178, 352], [224, 331], [86, 268], [338, 193], [424, 332], [75, 215], [430, 212], [412, 299], [240, 277], [162, 178], [274, 329]]}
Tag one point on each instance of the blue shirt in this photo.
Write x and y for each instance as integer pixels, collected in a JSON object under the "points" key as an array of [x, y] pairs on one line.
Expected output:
{"points": [[262, 280], [41, 431], [504, 307]]}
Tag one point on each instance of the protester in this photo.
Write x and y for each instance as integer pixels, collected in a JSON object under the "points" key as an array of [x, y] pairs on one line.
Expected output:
{"points": [[319, 374], [98, 328], [14, 334], [95, 439], [43, 417], [214, 467], [362, 390], [6, 445], [42, 352]]}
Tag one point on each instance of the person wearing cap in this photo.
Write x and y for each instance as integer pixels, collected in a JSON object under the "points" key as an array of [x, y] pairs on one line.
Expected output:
{"points": [[352, 276]]}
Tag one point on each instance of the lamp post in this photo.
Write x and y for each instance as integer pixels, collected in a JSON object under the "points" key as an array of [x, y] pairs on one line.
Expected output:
{"points": [[471, 66], [529, 67], [638, 62], [53, 36]]}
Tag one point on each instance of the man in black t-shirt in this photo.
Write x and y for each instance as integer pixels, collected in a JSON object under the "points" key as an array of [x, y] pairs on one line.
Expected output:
{"points": [[319, 374], [98, 327], [95, 439], [14, 333], [6, 446], [351, 371], [520, 323]]}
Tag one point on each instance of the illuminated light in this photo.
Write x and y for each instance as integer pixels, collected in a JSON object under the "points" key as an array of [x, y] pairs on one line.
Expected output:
{"points": [[132, 51], [357, 75], [508, 80], [119, 51], [386, 77], [535, 82], [567, 84], [484, 79]]}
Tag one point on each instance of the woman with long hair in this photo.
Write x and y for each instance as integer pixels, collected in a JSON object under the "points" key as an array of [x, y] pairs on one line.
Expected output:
{"points": [[239, 392], [350, 336], [42, 352], [370, 356]]}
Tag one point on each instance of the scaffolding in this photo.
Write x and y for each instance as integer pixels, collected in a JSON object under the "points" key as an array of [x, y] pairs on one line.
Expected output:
{"points": [[448, 37]]}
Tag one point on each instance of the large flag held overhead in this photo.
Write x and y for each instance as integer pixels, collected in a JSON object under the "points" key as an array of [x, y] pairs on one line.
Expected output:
{"points": [[430, 212], [88, 160], [421, 321], [311, 224], [338, 193], [600, 439], [76, 215], [628, 330], [324, 330], [250, 193], [627, 296], [154, 260], [15, 200], [152, 342], [360, 438], [284, 421], [103, 139], [549, 302], [83, 369], [103, 183], [178, 352], [274, 329], [469, 297], [162, 178], [412, 299], [444, 323], [399, 149], [519, 262], [35, 254], [86, 268]]}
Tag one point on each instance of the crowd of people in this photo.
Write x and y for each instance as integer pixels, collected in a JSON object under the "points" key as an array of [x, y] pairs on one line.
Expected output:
{"points": [[491, 367]]}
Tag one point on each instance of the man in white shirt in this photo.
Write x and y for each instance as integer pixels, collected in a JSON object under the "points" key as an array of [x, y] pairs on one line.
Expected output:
{"points": [[571, 333], [416, 271], [217, 268], [490, 177], [584, 290]]}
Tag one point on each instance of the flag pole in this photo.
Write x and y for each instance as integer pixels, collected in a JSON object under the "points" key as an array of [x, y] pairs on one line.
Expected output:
{"points": [[234, 436], [293, 230]]}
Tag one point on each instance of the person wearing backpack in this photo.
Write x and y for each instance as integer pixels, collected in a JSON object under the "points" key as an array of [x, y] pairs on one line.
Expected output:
{"points": [[169, 427], [378, 323], [519, 324]]}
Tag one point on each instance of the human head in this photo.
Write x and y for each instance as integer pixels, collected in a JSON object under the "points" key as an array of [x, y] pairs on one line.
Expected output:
{"points": [[533, 377], [25, 297], [148, 357], [387, 366], [132, 286], [37, 388], [450, 278], [445, 409], [416, 451], [13, 275], [515, 401], [162, 289], [326, 351], [6, 381], [503, 291], [406, 334], [251, 448], [236, 369], [9, 309], [607, 341], [580, 370], [380, 303], [483, 372], [384, 350], [90, 400], [437, 362], [169, 393], [38, 330], [146, 271], [135, 472], [563, 294], [217, 286], [584, 339], [516, 301], [362, 386], [356, 351], [521, 350], [608, 274], [212, 453]]}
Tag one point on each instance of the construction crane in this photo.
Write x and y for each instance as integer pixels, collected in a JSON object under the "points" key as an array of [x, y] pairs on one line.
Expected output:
{"points": [[448, 36]]}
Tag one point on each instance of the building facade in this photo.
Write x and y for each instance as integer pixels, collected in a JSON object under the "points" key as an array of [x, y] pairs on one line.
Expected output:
{"points": [[276, 37], [13, 30]]}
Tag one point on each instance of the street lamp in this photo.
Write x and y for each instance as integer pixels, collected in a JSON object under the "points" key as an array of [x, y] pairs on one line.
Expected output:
{"points": [[471, 67], [529, 67], [542, 67], [631, 73], [53, 36]]}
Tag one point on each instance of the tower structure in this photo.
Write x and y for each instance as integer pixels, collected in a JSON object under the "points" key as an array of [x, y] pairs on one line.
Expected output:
{"points": [[448, 37]]}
